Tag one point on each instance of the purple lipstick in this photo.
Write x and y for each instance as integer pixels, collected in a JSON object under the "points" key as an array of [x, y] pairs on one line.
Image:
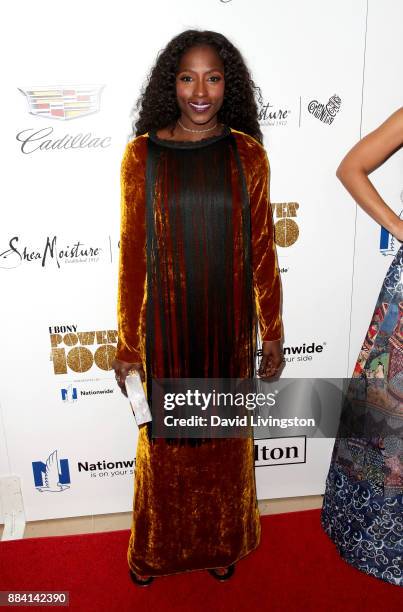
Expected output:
{"points": [[199, 108]]}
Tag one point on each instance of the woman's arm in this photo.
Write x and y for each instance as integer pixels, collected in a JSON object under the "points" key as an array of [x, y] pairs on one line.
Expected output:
{"points": [[132, 264], [367, 155], [266, 275]]}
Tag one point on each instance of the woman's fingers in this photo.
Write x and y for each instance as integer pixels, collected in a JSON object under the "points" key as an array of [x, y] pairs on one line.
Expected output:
{"points": [[122, 369], [263, 365], [267, 367], [140, 370], [272, 357], [270, 365], [120, 376]]}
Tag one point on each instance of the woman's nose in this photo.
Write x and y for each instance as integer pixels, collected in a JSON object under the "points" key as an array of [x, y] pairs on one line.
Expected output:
{"points": [[200, 88]]}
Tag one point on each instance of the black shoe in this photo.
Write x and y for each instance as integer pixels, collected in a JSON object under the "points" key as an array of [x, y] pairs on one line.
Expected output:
{"points": [[139, 581], [222, 577]]}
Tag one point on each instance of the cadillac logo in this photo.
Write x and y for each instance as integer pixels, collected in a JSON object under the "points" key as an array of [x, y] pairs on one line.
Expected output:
{"points": [[63, 103]]}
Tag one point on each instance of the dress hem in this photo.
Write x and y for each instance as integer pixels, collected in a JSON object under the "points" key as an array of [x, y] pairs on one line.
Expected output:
{"points": [[377, 575], [195, 569]]}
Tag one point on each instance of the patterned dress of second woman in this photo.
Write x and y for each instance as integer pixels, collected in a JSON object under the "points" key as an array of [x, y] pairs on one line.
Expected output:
{"points": [[363, 504]]}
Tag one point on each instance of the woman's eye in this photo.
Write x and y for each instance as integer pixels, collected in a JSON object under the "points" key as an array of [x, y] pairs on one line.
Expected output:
{"points": [[186, 78]]}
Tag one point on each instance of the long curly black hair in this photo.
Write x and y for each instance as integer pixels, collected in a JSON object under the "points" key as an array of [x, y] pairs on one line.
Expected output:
{"points": [[157, 107]]}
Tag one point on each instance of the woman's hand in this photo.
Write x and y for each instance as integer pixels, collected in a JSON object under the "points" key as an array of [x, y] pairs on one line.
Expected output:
{"points": [[122, 368], [272, 359]]}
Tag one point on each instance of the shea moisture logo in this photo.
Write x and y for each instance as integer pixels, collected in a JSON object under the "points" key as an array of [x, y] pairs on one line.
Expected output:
{"points": [[268, 114], [51, 251], [77, 351], [286, 230], [325, 112]]}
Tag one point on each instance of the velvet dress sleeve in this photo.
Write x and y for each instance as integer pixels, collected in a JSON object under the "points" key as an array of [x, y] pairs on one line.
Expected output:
{"points": [[132, 260], [266, 275]]}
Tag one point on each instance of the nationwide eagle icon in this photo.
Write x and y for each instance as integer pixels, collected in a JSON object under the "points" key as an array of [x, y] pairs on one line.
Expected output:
{"points": [[51, 477]]}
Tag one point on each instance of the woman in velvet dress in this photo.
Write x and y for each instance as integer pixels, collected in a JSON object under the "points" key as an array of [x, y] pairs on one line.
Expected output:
{"points": [[363, 504], [198, 273]]}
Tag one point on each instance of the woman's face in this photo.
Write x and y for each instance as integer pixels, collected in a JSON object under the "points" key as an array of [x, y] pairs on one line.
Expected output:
{"points": [[200, 86]]}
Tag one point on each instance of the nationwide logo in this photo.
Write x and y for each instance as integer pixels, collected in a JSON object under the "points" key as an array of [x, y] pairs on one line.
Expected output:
{"points": [[63, 103], [270, 115], [96, 392], [107, 469], [301, 352], [280, 451], [286, 229], [51, 251], [388, 244], [325, 112], [69, 394], [77, 351], [52, 476]]}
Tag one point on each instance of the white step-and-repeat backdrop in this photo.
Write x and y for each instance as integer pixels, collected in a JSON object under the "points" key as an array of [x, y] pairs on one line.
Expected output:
{"points": [[327, 72]]}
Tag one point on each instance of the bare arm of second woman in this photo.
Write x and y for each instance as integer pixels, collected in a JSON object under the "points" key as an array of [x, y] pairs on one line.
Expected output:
{"points": [[367, 155]]}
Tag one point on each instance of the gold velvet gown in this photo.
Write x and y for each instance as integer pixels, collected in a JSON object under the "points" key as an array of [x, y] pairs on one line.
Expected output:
{"points": [[198, 272]]}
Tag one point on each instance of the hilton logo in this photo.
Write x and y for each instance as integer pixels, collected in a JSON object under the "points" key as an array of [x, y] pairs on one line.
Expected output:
{"points": [[280, 451]]}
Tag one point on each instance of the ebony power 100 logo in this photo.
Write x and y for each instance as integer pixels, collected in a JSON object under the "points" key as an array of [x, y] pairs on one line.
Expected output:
{"points": [[78, 351], [286, 230]]}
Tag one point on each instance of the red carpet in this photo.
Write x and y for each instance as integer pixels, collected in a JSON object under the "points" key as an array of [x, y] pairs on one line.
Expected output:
{"points": [[295, 568]]}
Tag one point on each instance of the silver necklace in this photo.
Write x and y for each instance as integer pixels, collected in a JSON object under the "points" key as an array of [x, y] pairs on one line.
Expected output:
{"points": [[196, 131]]}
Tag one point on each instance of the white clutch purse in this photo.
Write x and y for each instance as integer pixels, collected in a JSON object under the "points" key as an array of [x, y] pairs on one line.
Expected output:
{"points": [[137, 398]]}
